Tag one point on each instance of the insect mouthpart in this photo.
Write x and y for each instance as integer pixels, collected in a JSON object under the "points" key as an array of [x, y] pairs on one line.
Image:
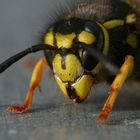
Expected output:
{"points": [[71, 92]]}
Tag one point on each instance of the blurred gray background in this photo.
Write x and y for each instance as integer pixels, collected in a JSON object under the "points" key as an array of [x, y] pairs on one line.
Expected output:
{"points": [[52, 115]]}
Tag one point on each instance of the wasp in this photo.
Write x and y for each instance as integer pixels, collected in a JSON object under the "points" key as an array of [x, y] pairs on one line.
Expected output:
{"points": [[97, 40]]}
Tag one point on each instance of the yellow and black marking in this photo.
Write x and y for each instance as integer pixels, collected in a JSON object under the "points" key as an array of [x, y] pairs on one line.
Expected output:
{"points": [[70, 65], [97, 41]]}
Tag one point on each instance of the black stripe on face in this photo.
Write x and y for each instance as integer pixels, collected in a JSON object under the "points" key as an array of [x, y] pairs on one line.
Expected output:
{"points": [[66, 51]]}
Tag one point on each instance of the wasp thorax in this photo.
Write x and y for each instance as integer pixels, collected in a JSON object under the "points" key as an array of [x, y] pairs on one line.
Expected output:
{"points": [[67, 68]]}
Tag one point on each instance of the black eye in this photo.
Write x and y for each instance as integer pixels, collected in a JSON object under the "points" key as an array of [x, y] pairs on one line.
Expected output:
{"points": [[88, 61]]}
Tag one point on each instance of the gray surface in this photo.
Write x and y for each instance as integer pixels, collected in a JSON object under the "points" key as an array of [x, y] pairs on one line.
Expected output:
{"points": [[52, 115]]}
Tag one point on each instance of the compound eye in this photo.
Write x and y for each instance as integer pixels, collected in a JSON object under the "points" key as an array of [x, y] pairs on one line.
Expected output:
{"points": [[88, 61]]}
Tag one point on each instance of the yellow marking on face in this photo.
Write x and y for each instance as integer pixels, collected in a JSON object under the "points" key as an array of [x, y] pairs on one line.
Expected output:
{"points": [[83, 86], [49, 38], [86, 37], [73, 67], [132, 40], [65, 41]]}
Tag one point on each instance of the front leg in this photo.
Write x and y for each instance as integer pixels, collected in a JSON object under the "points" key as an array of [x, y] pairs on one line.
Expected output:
{"points": [[34, 83], [125, 70]]}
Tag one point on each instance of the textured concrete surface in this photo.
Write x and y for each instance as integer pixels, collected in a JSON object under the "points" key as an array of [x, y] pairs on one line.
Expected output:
{"points": [[53, 116]]}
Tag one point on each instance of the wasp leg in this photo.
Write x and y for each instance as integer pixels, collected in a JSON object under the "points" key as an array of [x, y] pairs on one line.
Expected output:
{"points": [[117, 84], [34, 83]]}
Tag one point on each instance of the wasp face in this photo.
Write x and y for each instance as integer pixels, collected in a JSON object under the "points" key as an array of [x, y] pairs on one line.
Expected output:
{"points": [[70, 63]]}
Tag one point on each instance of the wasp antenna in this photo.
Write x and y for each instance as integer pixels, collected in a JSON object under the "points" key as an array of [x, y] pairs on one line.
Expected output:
{"points": [[7, 63], [113, 69]]}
